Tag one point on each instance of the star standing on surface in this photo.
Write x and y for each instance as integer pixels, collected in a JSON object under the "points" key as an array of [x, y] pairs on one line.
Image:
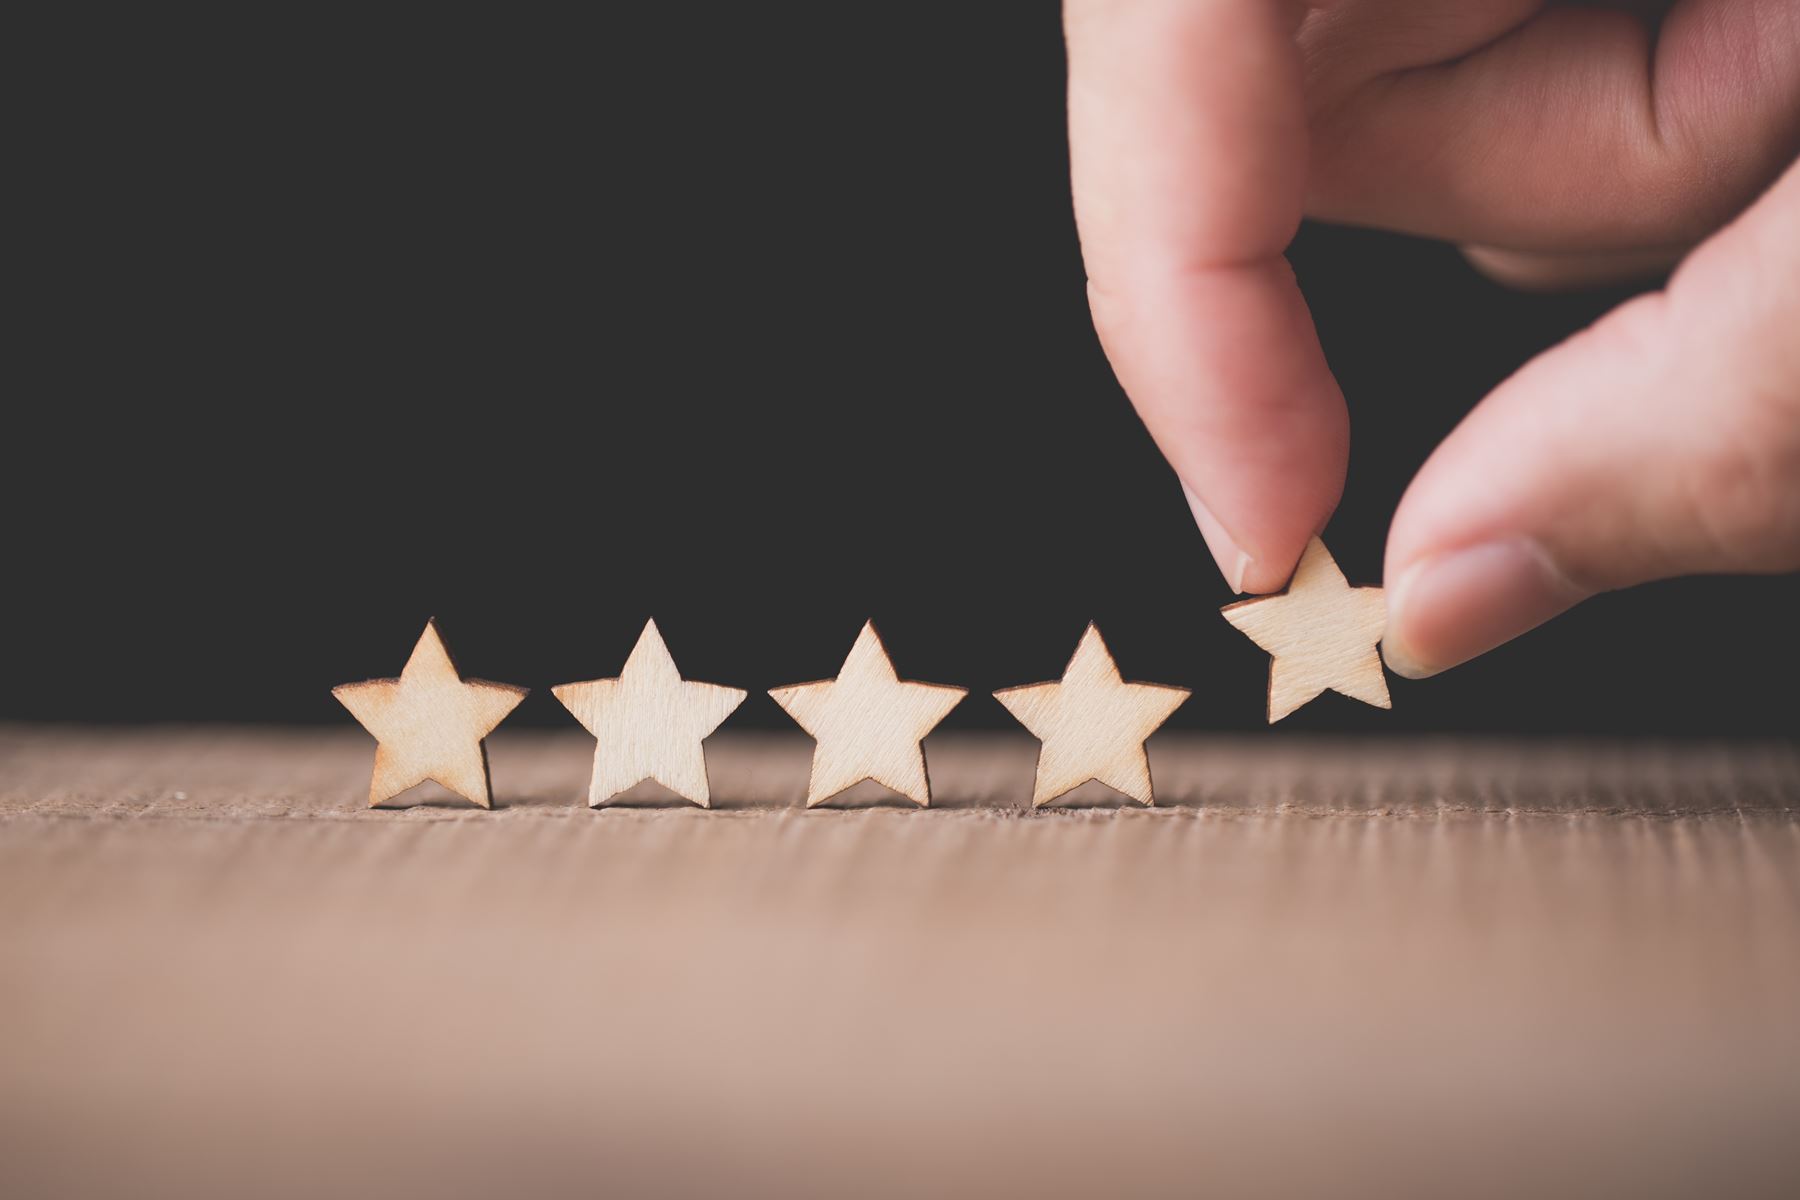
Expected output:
{"points": [[1092, 724], [868, 723], [429, 723], [1321, 632], [649, 723]]}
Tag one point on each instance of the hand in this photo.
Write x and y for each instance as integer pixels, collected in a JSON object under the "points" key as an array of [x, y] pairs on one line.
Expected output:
{"points": [[1555, 144]]}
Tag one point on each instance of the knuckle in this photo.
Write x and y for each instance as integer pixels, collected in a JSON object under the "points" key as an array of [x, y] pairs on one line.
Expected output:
{"points": [[1747, 497], [1112, 311]]}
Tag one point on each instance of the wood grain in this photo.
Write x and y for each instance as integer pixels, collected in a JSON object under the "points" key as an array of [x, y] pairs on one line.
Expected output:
{"points": [[868, 723], [1318, 967], [1321, 633], [1092, 724], [430, 723], [649, 723]]}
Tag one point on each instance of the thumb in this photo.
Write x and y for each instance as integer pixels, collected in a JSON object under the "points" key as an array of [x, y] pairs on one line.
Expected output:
{"points": [[1663, 441]]}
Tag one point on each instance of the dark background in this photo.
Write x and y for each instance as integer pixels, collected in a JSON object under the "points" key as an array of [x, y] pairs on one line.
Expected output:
{"points": [[760, 320]]}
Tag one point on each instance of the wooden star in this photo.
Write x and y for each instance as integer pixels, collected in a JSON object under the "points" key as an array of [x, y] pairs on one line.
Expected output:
{"points": [[869, 724], [1092, 724], [649, 722], [1322, 633], [429, 723]]}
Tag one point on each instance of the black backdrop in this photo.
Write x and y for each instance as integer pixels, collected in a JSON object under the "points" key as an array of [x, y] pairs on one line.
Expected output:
{"points": [[757, 320]]}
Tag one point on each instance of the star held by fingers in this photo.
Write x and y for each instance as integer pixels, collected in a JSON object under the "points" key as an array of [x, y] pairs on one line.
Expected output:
{"points": [[1092, 724], [429, 724], [649, 723], [1321, 633], [868, 723]]}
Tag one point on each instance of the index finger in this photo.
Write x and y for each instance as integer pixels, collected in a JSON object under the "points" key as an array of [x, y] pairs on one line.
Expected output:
{"points": [[1187, 135]]}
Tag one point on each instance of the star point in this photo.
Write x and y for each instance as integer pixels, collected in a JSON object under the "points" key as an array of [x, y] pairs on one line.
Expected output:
{"points": [[868, 723], [430, 723], [1092, 724], [649, 723], [1321, 634]]}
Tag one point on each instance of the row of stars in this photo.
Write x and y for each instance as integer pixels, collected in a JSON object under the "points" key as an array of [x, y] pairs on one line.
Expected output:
{"points": [[868, 724]]}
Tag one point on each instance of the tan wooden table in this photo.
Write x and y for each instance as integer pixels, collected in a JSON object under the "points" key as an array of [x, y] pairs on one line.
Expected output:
{"points": [[1321, 968]]}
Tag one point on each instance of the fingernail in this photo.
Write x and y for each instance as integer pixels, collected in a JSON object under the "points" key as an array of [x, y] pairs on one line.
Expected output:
{"points": [[1232, 560], [1447, 608]]}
